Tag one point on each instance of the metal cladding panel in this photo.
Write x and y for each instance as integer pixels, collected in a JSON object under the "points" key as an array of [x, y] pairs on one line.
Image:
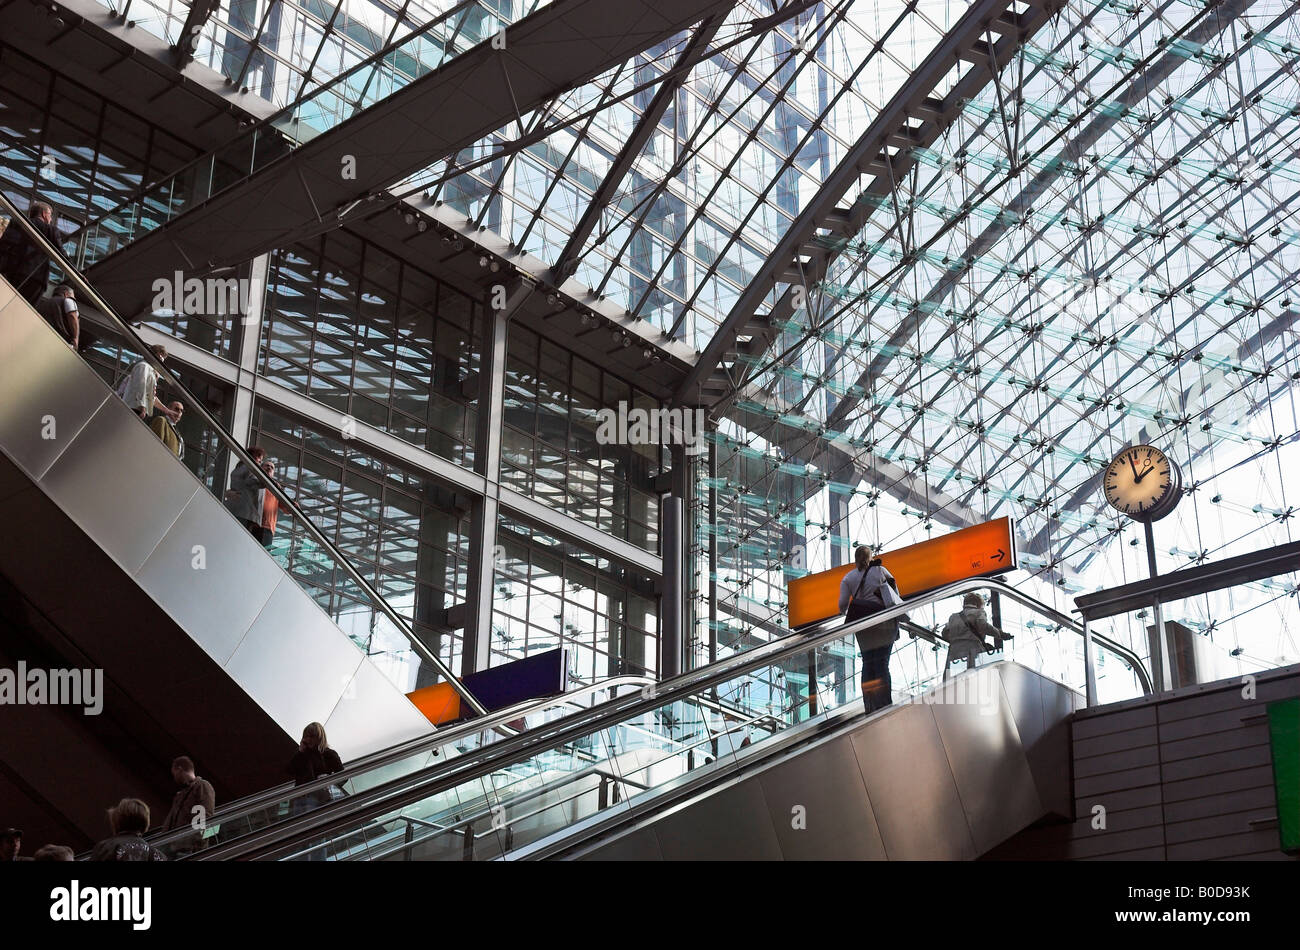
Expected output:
{"points": [[1089, 725], [911, 786], [295, 673], [121, 485], [357, 723], [13, 481], [47, 394], [731, 825], [1116, 760], [1114, 742], [809, 797], [199, 541], [1045, 738], [988, 762], [640, 845]]}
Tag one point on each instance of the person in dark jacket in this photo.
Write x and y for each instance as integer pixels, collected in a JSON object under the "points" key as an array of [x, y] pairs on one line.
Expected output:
{"points": [[60, 311], [966, 631], [867, 589], [129, 820], [245, 496], [313, 759], [196, 801], [23, 263]]}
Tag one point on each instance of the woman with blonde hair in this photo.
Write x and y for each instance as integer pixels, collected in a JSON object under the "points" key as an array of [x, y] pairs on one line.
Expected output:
{"points": [[313, 759]]}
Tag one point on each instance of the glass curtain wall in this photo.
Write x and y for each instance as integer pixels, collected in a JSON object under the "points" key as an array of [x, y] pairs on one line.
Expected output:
{"points": [[399, 528], [550, 448], [378, 340], [548, 594]]}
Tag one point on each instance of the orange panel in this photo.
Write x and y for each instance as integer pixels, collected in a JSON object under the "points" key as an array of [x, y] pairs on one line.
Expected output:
{"points": [[980, 550], [439, 703]]}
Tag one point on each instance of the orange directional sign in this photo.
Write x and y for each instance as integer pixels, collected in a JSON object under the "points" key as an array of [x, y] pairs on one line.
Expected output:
{"points": [[981, 550]]}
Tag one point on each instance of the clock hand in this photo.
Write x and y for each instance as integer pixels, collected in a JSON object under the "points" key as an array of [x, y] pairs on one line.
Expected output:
{"points": [[1133, 466], [1146, 471]]}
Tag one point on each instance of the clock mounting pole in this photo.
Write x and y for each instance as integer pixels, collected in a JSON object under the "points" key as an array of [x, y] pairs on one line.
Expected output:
{"points": [[1158, 641]]}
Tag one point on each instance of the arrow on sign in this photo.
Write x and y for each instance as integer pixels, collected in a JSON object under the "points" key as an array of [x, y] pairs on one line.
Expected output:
{"points": [[999, 556]]}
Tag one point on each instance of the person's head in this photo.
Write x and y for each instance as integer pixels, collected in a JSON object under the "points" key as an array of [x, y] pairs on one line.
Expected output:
{"points": [[129, 816], [177, 407], [54, 852], [159, 351], [862, 556], [41, 211], [63, 290], [11, 842], [313, 737], [268, 466], [972, 600], [183, 769], [257, 453]]}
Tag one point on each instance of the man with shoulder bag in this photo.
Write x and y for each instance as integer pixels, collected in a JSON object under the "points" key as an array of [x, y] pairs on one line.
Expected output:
{"points": [[868, 589]]}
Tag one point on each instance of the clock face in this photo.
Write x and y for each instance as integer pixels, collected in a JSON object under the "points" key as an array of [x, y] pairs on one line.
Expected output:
{"points": [[1142, 482]]}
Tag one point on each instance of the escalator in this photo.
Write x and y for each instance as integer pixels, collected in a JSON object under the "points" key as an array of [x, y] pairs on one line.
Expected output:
{"points": [[118, 562], [422, 99], [707, 766]]}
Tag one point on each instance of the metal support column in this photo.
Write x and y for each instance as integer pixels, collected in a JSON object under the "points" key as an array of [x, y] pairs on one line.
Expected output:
{"points": [[674, 544], [248, 341], [484, 511], [1089, 665]]}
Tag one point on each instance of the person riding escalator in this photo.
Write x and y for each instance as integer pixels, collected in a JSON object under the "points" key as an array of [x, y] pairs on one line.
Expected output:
{"points": [[868, 589]]}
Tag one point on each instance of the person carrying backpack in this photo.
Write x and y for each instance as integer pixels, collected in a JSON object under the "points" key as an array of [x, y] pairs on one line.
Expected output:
{"points": [[868, 589]]}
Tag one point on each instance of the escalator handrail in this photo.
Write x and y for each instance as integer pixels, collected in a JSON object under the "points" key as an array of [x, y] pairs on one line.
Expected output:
{"points": [[74, 277], [258, 801], [384, 799]]}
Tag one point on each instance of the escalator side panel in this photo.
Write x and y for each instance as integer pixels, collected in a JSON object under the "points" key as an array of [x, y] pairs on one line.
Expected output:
{"points": [[813, 832], [112, 479], [989, 764], [913, 793], [1042, 714]]}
